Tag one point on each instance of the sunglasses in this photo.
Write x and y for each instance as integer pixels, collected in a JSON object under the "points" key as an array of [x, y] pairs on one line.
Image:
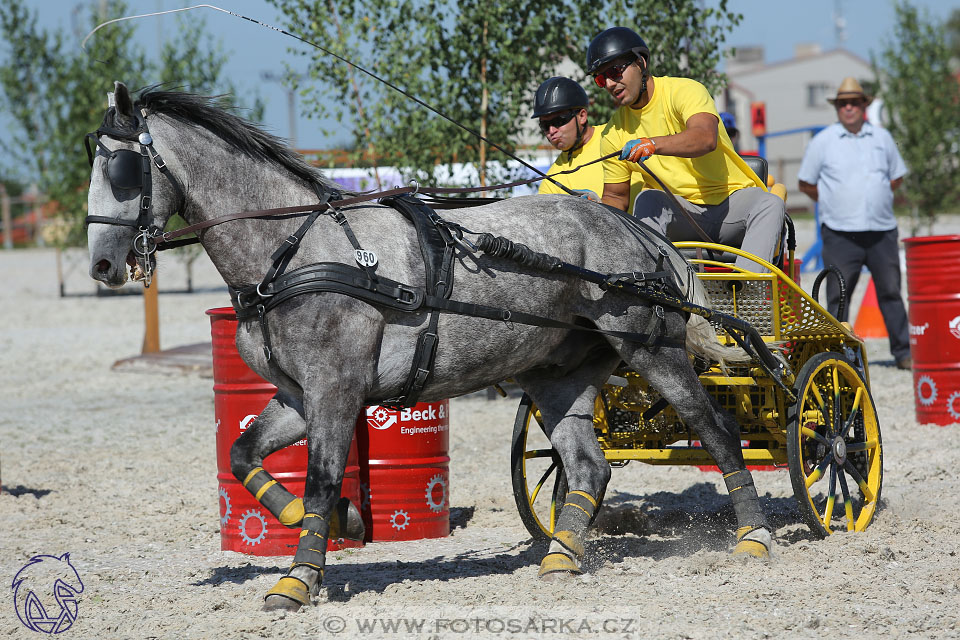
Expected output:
{"points": [[843, 103], [614, 73], [557, 121]]}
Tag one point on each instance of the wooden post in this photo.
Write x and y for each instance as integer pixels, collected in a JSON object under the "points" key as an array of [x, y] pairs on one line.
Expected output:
{"points": [[151, 317], [5, 218]]}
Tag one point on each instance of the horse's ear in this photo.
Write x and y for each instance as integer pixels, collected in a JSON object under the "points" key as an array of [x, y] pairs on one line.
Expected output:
{"points": [[124, 104]]}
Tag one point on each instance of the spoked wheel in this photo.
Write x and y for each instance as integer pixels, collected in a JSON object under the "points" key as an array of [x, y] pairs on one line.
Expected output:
{"points": [[539, 483], [833, 436]]}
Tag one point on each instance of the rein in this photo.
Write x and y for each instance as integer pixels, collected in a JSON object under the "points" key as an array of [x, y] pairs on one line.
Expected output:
{"points": [[165, 238]]}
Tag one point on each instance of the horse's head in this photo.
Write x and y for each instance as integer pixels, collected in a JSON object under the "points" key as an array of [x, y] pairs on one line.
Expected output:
{"points": [[129, 202]]}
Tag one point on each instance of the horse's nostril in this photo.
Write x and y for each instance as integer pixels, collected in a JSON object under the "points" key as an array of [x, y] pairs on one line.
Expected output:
{"points": [[103, 266]]}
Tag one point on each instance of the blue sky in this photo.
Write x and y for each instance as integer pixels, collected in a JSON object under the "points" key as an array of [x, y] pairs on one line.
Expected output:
{"points": [[777, 25]]}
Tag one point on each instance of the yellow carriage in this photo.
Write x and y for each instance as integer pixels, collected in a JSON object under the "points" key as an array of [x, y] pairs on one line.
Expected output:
{"points": [[819, 420]]}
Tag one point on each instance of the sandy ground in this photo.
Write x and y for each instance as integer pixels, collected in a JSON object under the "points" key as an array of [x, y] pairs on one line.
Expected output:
{"points": [[118, 469]]}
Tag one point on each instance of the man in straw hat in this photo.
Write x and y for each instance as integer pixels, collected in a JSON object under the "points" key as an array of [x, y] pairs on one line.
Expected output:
{"points": [[851, 169]]}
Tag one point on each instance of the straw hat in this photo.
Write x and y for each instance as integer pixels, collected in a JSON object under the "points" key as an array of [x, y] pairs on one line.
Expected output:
{"points": [[849, 89]]}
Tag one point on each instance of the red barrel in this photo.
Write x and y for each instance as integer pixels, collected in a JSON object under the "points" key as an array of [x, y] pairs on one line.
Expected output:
{"points": [[405, 471], [239, 396], [933, 291]]}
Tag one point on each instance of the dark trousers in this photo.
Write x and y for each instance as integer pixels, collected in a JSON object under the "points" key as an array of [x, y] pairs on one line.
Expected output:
{"points": [[849, 251]]}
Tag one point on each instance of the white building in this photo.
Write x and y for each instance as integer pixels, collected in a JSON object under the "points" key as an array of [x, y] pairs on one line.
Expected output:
{"points": [[795, 92]]}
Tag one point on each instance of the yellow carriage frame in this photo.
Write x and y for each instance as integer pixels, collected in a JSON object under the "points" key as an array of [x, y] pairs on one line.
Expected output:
{"points": [[808, 430]]}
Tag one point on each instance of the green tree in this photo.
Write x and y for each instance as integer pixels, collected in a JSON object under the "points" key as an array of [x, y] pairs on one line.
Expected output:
{"points": [[953, 38], [477, 62], [922, 98], [56, 93], [684, 37]]}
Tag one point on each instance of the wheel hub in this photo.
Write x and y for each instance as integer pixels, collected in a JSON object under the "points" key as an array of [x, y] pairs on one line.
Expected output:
{"points": [[839, 450]]}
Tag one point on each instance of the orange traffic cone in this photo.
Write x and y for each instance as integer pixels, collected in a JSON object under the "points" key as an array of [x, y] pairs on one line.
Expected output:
{"points": [[869, 322]]}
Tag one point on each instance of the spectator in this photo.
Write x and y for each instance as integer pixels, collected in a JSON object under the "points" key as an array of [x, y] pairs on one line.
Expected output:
{"points": [[851, 169], [730, 124]]}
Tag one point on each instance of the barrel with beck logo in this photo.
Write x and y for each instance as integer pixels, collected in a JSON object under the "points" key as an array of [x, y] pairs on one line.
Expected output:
{"points": [[239, 396], [933, 290], [405, 471]]}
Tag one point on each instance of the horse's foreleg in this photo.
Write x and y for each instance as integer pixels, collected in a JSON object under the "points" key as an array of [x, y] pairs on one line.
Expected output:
{"points": [[325, 514], [280, 424], [566, 405], [670, 373]]}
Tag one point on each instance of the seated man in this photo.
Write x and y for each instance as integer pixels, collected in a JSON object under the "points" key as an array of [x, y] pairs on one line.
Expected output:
{"points": [[674, 123], [561, 106]]}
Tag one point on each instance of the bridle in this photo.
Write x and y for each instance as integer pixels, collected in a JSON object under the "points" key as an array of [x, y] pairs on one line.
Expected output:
{"points": [[127, 170]]}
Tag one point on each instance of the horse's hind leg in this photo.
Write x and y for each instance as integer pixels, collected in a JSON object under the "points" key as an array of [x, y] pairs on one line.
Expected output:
{"points": [[566, 405], [669, 372], [279, 425]]}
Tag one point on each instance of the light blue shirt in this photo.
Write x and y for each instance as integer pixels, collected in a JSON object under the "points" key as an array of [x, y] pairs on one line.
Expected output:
{"points": [[853, 173]]}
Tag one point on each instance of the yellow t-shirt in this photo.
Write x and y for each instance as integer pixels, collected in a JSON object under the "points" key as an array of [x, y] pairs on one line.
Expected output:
{"points": [[709, 179], [588, 178]]}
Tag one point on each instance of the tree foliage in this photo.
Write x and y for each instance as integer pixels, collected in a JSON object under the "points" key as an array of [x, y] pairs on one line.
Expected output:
{"points": [[684, 37], [56, 93], [923, 100], [477, 62]]}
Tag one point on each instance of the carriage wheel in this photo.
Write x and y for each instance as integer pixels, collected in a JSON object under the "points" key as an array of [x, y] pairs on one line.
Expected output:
{"points": [[833, 435], [539, 483]]}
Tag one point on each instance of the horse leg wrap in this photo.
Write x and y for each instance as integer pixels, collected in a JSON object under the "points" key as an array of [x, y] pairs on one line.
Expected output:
{"points": [[346, 521], [312, 553], [287, 507], [566, 548], [753, 532], [312, 549]]}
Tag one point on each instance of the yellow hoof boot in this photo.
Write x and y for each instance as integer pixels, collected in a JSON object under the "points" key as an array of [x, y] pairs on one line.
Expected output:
{"points": [[557, 564], [290, 588], [753, 541], [292, 514]]}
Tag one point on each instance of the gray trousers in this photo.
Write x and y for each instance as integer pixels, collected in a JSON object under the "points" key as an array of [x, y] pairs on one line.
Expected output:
{"points": [[751, 219]]}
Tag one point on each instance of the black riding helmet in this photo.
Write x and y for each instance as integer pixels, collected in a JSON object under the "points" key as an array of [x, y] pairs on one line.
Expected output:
{"points": [[612, 43], [558, 94]]}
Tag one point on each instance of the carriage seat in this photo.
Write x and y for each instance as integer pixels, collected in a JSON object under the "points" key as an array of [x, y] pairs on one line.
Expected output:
{"points": [[759, 166]]}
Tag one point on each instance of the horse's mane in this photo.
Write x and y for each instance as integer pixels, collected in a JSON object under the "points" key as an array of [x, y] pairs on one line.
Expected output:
{"points": [[248, 138]]}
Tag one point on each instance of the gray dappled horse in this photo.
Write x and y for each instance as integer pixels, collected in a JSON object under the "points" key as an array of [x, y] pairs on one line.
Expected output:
{"points": [[332, 353]]}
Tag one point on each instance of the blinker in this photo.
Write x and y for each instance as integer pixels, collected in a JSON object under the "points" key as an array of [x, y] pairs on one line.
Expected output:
{"points": [[124, 169]]}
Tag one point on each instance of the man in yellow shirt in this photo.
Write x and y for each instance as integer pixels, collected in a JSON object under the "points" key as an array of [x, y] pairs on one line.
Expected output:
{"points": [[672, 124], [561, 106]]}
